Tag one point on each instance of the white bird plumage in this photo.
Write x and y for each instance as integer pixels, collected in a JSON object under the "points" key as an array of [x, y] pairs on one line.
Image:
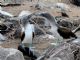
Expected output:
{"points": [[29, 29]]}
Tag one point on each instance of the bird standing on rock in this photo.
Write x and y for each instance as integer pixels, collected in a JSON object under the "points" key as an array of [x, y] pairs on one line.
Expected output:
{"points": [[26, 35], [26, 43]]}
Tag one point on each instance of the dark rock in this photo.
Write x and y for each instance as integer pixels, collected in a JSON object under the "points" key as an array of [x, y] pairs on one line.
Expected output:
{"points": [[65, 24]]}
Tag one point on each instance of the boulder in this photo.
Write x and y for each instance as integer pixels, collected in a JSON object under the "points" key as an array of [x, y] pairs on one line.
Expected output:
{"points": [[65, 23], [10, 54], [4, 14]]}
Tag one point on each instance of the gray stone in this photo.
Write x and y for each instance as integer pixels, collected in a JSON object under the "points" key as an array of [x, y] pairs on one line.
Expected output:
{"points": [[10, 54]]}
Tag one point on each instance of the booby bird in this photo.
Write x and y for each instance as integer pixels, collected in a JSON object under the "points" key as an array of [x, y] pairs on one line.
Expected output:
{"points": [[56, 29], [26, 44], [26, 35]]}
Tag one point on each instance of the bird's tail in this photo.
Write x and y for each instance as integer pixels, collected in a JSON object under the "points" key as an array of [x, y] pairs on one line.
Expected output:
{"points": [[27, 52]]}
